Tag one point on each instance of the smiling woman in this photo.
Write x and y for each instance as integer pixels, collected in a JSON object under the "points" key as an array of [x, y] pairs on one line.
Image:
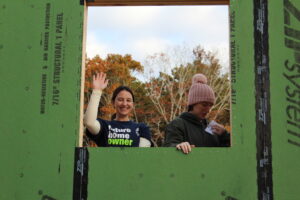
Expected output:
{"points": [[120, 131]]}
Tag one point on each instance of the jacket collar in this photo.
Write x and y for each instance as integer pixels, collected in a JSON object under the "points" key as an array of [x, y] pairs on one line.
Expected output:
{"points": [[193, 119]]}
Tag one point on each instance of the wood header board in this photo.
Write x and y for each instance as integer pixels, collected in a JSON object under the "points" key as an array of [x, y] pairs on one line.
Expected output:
{"points": [[155, 2]]}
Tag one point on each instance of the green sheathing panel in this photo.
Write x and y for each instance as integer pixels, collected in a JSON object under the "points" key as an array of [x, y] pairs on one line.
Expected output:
{"points": [[40, 56], [206, 173], [284, 36]]}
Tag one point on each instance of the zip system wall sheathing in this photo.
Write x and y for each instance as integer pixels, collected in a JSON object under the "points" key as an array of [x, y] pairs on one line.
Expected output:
{"points": [[41, 75], [41, 57]]}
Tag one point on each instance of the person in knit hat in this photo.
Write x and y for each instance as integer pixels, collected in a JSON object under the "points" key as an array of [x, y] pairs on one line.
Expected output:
{"points": [[191, 128]]}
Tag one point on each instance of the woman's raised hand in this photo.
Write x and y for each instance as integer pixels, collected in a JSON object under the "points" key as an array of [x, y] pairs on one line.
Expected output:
{"points": [[99, 81]]}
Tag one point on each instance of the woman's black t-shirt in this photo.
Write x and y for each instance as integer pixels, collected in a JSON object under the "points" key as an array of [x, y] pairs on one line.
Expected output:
{"points": [[120, 133]]}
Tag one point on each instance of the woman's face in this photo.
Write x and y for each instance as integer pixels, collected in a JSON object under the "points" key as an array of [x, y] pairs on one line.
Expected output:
{"points": [[123, 103], [201, 109]]}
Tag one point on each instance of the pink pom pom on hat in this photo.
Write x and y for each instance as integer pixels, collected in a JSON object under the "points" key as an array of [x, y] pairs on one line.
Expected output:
{"points": [[200, 91], [199, 78]]}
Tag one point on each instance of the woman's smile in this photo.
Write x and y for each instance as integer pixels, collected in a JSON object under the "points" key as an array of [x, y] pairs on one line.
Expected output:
{"points": [[123, 103]]}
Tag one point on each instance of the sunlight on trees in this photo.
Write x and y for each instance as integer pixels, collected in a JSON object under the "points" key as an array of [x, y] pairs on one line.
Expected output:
{"points": [[162, 96]]}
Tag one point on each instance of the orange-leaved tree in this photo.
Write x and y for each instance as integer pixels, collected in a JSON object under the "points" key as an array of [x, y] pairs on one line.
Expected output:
{"points": [[119, 71]]}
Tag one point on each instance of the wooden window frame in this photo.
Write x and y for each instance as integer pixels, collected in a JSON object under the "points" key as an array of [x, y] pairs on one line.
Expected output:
{"points": [[154, 2]]}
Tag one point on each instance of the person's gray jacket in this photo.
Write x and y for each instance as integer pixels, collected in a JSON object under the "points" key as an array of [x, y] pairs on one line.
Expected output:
{"points": [[188, 128]]}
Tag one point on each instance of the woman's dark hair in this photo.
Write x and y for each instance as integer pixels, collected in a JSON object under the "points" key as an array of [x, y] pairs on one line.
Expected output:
{"points": [[190, 108], [119, 89], [113, 116]]}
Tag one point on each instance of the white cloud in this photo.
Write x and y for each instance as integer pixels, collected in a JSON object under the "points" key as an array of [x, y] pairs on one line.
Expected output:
{"points": [[149, 46], [141, 31], [95, 47], [122, 17]]}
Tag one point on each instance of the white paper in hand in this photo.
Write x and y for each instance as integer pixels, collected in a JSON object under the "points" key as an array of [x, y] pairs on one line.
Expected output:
{"points": [[209, 127]]}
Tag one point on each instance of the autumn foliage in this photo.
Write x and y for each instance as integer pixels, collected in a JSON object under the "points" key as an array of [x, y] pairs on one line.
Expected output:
{"points": [[159, 99]]}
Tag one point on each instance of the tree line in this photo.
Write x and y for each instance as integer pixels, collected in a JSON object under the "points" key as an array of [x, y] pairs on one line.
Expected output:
{"points": [[161, 95]]}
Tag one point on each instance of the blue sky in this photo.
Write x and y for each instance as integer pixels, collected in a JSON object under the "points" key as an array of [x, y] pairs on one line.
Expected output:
{"points": [[143, 31]]}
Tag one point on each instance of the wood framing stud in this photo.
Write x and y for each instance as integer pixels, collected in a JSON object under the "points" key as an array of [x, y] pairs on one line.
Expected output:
{"points": [[155, 2]]}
